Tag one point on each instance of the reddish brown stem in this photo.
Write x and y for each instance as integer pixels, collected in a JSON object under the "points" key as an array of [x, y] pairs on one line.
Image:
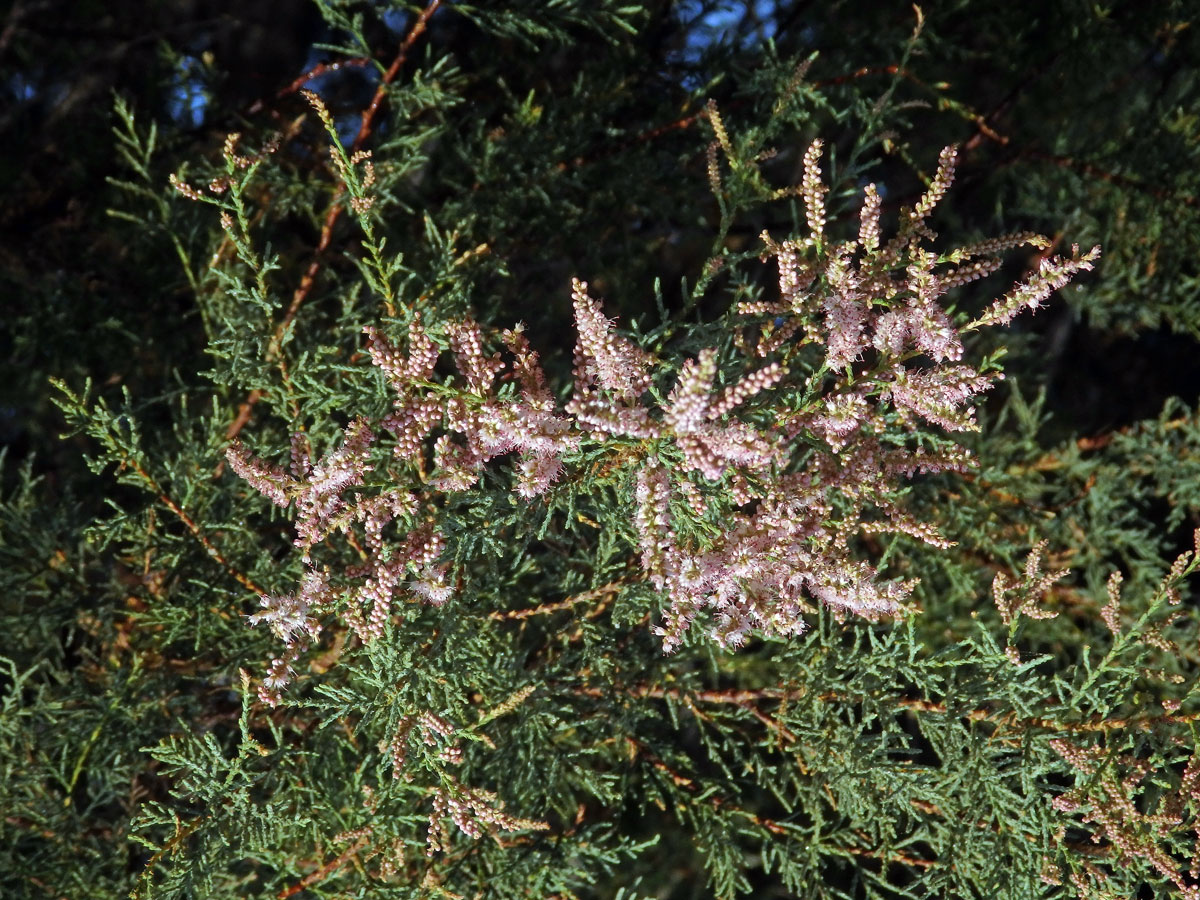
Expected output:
{"points": [[335, 210], [189, 523], [865, 71], [1008, 721], [325, 871], [637, 748], [604, 593], [1094, 171], [316, 71], [182, 833]]}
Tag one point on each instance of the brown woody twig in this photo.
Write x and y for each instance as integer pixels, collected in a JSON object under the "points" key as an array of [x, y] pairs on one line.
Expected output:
{"points": [[334, 213], [322, 873]]}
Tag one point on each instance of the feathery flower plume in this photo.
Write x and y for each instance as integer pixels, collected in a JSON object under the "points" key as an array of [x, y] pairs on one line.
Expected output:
{"points": [[603, 359], [270, 481], [813, 189], [1052, 274], [868, 230], [941, 182], [792, 489]]}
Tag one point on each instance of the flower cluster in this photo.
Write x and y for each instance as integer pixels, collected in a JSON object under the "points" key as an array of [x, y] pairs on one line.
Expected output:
{"points": [[867, 303], [1024, 597], [486, 425], [1015, 598], [792, 545], [749, 517], [1110, 798], [612, 375], [473, 810]]}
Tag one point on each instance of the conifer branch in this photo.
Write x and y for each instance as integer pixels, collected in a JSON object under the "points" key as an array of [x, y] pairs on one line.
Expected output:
{"points": [[495, 531], [195, 530], [309, 278], [181, 833]]}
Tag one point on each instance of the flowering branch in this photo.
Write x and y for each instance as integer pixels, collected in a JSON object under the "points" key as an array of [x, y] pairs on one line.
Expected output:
{"points": [[309, 279], [789, 489]]}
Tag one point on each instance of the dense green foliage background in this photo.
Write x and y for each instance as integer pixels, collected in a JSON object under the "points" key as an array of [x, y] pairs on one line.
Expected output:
{"points": [[518, 145]]}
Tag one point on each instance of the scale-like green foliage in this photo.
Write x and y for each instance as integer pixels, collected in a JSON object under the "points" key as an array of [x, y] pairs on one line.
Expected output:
{"points": [[385, 557]]}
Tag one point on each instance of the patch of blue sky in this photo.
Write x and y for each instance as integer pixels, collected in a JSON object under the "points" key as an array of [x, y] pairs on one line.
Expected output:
{"points": [[21, 87], [329, 84], [187, 95], [24, 88], [395, 20], [347, 126], [744, 24]]}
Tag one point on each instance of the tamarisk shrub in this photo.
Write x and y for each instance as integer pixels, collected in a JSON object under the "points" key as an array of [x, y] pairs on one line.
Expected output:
{"points": [[860, 357], [463, 558]]}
